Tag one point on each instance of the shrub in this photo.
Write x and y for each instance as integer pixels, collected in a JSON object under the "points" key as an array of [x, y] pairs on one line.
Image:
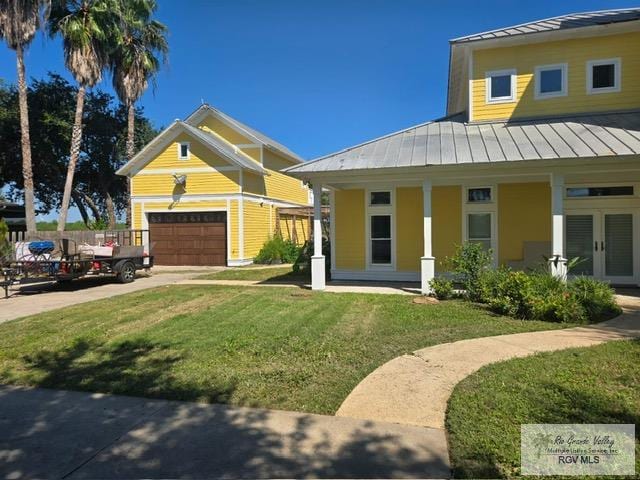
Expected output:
{"points": [[303, 260], [511, 295], [441, 288], [596, 297], [276, 249], [469, 261], [6, 249]]}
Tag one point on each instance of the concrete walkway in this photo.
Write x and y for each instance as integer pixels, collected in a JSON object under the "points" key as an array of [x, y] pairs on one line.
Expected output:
{"points": [[57, 434], [392, 288], [414, 389], [38, 298]]}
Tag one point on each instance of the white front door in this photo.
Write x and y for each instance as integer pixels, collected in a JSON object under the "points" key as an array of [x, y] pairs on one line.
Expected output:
{"points": [[605, 243]]}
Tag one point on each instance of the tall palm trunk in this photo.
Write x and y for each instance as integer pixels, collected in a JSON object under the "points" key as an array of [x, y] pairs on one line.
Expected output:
{"points": [[27, 170], [131, 147], [76, 138]]}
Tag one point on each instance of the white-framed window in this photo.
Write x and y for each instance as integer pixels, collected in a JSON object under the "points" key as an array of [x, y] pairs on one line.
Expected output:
{"points": [[551, 81], [184, 150], [604, 76], [380, 228], [479, 194], [500, 86], [480, 228]]}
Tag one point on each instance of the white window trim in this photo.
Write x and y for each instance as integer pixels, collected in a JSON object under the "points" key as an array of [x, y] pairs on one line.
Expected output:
{"points": [[371, 210], [617, 76], [635, 185], [482, 207], [496, 73], [188, 144], [473, 187], [564, 91]]}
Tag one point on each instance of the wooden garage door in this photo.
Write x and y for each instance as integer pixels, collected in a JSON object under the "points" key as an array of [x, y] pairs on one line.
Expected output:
{"points": [[189, 238]]}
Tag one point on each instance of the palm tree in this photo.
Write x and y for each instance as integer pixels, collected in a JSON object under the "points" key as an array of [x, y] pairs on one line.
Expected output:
{"points": [[19, 21], [142, 48], [87, 28]]}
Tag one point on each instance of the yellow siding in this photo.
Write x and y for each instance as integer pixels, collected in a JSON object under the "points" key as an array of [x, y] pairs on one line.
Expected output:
{"points": [[409, 219], [281, 186], [576, 53], [197, 183], [256, 227], [253, 152], [524, 214], [136, 217], [349, 229], [223, 130], [302, 228], [200, 156], [252, 183], [234, 228], [446, 223]]}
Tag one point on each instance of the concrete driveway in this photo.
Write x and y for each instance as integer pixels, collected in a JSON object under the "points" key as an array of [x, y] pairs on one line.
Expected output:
{"points": [[38, 298], [57, 434]]}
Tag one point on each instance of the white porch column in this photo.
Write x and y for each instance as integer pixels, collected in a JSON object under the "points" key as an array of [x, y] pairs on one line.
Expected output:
{"points": [[427, 262], [557, 262], [317, 260]]}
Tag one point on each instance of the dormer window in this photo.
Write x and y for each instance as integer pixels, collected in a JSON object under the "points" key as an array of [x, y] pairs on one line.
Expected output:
{"points": [[603, 76], [551, 81], [501, 86], [184, 151]]}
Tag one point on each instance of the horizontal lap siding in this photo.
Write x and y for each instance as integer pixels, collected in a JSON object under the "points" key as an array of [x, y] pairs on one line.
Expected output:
{"points": [[200, 156], [524, 215], [576, 53], [349, 229], [446, 223], [281, 186], [256, 227], [302, 228], [197, 183], [409, 219]]}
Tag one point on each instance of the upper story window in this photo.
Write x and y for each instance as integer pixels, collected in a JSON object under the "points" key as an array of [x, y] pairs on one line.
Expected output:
{"points": [[551, 81], [501, 86], [603, 76], [184, 151]]}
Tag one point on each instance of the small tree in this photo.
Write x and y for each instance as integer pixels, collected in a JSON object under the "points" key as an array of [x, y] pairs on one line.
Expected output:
{"points": [[469, 261], [6, 250]]}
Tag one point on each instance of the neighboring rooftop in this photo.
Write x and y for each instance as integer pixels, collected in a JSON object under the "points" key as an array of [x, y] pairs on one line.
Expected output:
{"points": [[451, 141], [563, 22]]}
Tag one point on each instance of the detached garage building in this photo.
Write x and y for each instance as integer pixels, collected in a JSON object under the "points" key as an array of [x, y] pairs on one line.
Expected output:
{"points": [[208, 189]]}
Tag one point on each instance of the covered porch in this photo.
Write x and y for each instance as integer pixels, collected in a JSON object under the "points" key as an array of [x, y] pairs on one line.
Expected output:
{"points": [[402, 225]]}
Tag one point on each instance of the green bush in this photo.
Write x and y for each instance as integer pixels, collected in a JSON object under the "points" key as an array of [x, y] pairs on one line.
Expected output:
{"points": [[469, 262], [276, 249], [6, 249], [441, 288], [597, 298], [303, 261]]}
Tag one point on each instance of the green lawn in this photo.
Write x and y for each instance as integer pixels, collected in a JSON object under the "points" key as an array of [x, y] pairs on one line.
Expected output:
{"points": [[260, 274], [585, 385], [281, 348]]}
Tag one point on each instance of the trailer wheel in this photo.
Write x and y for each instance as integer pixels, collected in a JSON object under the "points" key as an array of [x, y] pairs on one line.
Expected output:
{"points": [[127, 273]]}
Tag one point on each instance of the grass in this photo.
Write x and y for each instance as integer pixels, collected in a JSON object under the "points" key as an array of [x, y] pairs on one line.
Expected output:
{"points": [[282, 348], [598, 384], [260, 274]]}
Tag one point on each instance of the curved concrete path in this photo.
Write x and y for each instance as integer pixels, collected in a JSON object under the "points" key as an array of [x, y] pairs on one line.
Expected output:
{"points": [[414, 389]]}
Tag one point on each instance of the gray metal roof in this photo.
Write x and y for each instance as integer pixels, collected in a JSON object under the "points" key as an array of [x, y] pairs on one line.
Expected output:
{"points": [[255, 135], [563, 22], [451, 142]]}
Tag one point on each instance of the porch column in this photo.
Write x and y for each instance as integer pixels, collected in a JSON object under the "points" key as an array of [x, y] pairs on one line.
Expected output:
{"points": [[427, 262], [317, 260], [557, 262]]}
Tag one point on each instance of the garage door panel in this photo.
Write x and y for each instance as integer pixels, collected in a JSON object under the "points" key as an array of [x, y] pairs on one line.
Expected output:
{"points": [[188, 239]]}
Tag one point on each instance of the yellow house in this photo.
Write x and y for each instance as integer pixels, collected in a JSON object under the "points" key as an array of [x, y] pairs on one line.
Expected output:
{"points": [[208, 189], [537, 157]]}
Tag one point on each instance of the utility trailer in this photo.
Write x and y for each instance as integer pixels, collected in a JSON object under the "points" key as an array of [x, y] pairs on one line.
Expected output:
{"points": [[67, 261]]}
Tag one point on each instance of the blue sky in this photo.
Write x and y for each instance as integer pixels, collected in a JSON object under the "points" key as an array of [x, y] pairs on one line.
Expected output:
{"points": [[317, 76]]}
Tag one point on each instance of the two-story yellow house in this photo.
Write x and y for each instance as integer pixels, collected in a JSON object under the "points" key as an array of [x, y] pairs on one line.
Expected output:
{"points": [[538, 156], [208, 189]]}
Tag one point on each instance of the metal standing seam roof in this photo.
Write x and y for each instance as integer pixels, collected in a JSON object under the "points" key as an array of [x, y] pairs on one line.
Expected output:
{"points": [[563, 22], [453, 142], [256, 135]]}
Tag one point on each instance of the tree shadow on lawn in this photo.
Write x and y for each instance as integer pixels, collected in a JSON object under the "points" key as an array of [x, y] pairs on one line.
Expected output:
{"points": [[136, 367]]}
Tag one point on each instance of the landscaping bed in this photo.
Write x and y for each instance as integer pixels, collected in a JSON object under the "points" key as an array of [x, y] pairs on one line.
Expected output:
{"points": [[598, 384], [277, 348]]}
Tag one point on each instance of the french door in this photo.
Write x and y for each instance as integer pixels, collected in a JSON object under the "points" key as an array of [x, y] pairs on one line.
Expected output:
{"points": [[605, 243]]}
